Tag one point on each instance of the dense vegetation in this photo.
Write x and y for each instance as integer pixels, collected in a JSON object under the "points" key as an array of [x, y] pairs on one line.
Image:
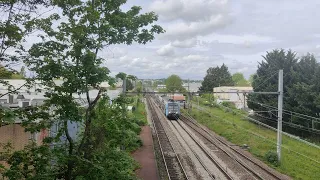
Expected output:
{"points": [[239, 80], [301, 92], [69, 50], [174, 84], [215, 77]]}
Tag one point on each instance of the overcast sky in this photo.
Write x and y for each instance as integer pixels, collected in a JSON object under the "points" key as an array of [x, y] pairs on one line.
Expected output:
{"points": [[206, 33]]}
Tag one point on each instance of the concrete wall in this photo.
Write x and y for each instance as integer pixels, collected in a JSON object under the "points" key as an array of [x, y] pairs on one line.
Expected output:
{"points": [[237, 97], [15, 134]]}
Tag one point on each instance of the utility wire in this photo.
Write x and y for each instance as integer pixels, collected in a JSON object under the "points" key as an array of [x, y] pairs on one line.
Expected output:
{"points": [[303, 116], [274, 73], [289, 135], [315, 131], [267, 139]]}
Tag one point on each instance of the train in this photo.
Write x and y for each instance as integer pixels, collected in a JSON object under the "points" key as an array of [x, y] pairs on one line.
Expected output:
{"points": [[170, 108]]}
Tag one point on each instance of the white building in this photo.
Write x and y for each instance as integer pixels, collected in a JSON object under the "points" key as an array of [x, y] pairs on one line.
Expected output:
{"points": [[31, 97], [236, 95]]}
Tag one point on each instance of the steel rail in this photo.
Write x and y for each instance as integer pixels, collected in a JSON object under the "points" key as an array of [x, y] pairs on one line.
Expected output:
{"points": [[183, 118], [168, 160]]}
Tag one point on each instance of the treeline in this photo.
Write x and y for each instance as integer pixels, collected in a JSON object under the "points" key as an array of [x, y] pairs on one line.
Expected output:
{"points": [[5, 73], [220, 76], [301, 91], [301, 101], [69, 49]]}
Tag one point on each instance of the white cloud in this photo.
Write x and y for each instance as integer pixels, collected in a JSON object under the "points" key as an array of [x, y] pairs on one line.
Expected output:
{"points": [[190, 18], [183, 30], [166, 50], [206, 33], [246, 39], [185, 44], [189, 10]]}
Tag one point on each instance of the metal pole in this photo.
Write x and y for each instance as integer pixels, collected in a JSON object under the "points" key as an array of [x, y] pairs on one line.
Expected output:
{"points": [[244, 101], [124, 84], [280, 104], [188, 97]]}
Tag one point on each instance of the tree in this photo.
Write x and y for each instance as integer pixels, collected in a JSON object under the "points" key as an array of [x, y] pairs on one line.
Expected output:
{"points": [[239, 80], [6, 74], [70, 52], [132, 78], [218, 76], [266, 78], [301, 87], [174, 83], [251, 79], [18, 19], [138, 87], [128, 79], [129, 85]]}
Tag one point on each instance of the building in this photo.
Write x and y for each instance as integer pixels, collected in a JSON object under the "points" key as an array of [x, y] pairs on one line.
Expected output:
{"points": [[161, 86], [15, 133], [236, 95], [193, 86]]}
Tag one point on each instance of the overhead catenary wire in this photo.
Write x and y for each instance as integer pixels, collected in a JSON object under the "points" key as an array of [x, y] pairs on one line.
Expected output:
{"points": [[274, 73], [287, 134], [265, 138], [315, 131], [303, 116]]}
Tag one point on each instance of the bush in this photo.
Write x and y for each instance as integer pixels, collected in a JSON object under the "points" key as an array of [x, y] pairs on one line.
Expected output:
{"points": [[272, 158], [140, 122], [229, 105]]}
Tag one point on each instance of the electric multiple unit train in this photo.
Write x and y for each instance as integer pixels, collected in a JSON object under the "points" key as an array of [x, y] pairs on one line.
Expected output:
{"points": [[171, 108]]}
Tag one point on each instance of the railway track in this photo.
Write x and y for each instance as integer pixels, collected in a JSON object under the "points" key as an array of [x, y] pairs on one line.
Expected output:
{"points": [[171, 161], [255, 169], [203, 155]]}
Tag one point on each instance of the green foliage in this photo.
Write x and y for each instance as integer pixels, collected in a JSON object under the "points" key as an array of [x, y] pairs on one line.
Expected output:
{"points": [[109, 164], [129, 85], [6, 74], [239, 80], [250, 81], [174, 84], [113, 125], [69, 51], [301, 87], [228, 104], [138, 87], [218, 76], [272, 157], [121, 75]]}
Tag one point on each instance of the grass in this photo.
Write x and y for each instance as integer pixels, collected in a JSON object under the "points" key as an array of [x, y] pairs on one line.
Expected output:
{"points": [[261, 140], [140, 111]]}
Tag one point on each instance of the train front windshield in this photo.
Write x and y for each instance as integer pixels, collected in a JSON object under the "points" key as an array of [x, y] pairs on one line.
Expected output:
{"points": [[173, 107]]}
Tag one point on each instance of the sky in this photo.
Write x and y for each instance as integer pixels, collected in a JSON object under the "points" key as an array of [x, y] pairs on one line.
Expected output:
{"points": [[207, 33]]}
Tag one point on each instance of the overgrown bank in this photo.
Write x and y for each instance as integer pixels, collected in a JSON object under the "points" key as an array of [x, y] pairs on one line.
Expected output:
{"points": [[299, 160], [114, 136], [139, 109]]}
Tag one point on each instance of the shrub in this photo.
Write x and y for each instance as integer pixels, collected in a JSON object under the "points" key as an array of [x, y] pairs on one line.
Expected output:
{"points": [[228, 104], [272, 158]]}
